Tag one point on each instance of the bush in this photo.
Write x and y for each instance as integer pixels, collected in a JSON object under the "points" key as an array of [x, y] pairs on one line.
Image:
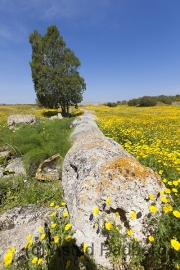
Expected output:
{"points": [[147, 101], [133, 102], [111, 104]]}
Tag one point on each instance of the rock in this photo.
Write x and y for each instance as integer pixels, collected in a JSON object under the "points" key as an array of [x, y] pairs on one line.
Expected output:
{"points": [[49, 168], [5, 154], [16, 167], [21, 118], [59, 116], [18, 222], [85, 127], [96, 168], [53, 117], [1, 171]]}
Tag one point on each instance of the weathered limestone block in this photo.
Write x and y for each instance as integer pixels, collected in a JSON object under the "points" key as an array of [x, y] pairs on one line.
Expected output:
{"points": [[16, 166], [18, 222], [85, 126], [96, 168], [21, 118]]}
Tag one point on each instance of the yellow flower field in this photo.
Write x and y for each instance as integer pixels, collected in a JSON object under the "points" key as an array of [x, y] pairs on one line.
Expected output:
{"points": [[151, 134]]}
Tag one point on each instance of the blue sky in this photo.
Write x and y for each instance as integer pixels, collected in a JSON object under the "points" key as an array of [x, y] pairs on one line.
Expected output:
{"points": [[127, 48]]}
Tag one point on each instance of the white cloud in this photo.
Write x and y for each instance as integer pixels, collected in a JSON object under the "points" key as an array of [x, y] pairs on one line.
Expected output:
{"points": [[17, 16], [75, 11]]}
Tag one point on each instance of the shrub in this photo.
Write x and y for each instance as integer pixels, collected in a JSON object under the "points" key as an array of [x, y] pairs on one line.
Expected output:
{"points": [[147, 101]]}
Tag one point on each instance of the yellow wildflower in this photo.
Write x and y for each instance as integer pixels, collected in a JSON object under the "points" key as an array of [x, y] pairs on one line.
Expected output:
{"points": [[174, 190], [43, 236], [68, 238], [65, 214], [29, 236], [117, 214], [96, 210], [167, 208], [151, 238], [108, 201], [52, 214], [176, 213], [85, 246], [51, 204], [11, 250], [108, 226], [63, 203], [175, 244], [167, 190], [67, 227], [130, 232], [40, 261], [41, 229], [132, 214], [164, 199], [53, 225], [153, 209], [56, 239], [175, 183], [56, 207], [28, 244], [151, 196], [8, 257], [34, 260]]}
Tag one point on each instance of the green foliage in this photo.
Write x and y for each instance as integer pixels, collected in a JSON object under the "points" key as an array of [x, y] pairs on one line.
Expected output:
{"points": [[39, 141], [111, 104], [14, 191], [147, 101], [133, 102], [152, 100], [54, 71], [3, 161]]}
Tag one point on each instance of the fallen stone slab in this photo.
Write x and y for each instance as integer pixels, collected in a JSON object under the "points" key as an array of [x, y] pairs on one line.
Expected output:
{"points": [[49, 168], [16, 167], [97, 168], [20, 119], [18, 222]]}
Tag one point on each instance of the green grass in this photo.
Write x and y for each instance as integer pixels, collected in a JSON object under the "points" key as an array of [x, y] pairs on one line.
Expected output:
{"points": [[37, 142], [15, 191], [34, 143]]}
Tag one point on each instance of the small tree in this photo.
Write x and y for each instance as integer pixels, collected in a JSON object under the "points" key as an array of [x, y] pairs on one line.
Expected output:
{"points": [[57, 82]]}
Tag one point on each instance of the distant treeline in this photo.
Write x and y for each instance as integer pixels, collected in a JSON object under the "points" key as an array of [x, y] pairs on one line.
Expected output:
{"points": [[146, 101]]}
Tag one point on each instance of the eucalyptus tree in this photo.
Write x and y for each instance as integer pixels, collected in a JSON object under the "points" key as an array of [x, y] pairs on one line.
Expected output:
{"points": [[54, 68]]}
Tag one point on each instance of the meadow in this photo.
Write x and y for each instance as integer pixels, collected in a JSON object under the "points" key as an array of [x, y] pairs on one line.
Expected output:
{"points": [[150, 134]]}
